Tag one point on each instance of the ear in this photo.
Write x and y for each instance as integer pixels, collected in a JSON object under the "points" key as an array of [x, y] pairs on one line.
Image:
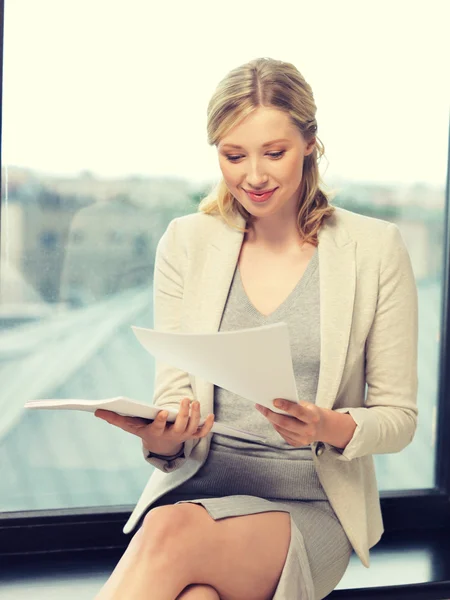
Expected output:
{"points": [[310, 146]]}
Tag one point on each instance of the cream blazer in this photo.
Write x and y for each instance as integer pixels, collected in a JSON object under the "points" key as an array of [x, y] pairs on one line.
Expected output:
{"points": [[368, 357]]}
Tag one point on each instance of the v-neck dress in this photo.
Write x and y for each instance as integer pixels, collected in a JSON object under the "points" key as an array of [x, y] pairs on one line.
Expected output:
{"points": [[241, 477]]}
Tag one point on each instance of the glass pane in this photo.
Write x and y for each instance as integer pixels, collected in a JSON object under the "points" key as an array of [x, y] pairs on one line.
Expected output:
{"points": [[104, 143]]}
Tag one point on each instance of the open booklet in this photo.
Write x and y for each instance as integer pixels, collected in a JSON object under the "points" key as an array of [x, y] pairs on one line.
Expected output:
{"points": [[130, 408], [255, 364]]}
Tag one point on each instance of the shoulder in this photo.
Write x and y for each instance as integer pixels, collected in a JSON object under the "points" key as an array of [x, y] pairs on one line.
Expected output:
{"points": [[376, 239], [359, 227], [369, 233], [195, 229], [198, 222]]}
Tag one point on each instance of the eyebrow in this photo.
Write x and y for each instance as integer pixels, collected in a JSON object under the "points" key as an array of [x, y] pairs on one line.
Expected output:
{"points": [[264, 145]]}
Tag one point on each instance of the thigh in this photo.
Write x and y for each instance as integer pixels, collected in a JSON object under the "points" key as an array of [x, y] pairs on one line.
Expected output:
{"points": [[241, 557]]}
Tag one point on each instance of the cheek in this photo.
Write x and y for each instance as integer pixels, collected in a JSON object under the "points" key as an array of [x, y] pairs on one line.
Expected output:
{"points": [[230, 175], [293, 171]]}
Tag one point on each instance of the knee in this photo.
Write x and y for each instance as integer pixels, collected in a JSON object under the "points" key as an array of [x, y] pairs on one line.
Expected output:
{"points": [[165, 526]]}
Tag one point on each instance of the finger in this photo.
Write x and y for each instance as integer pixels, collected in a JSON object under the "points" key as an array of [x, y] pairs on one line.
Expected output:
{"points": [[182, 418], [288, 430], [293, 442], [205, 428], [106, 415], [129, 424], [286, 421], [297, 439], [263, 409], [112, 417], [158, 426], [194, 419], [269, 414], [299, 410]]}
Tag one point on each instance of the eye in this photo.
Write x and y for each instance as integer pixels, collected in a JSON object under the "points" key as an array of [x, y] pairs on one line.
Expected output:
{"points": [[274, 155]]}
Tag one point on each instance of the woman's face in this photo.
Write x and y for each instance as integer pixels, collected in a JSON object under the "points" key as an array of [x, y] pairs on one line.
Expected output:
{"points": [[249, 163]]}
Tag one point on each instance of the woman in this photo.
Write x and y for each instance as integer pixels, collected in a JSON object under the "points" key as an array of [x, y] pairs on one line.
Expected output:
{"points": [[232, 519]]}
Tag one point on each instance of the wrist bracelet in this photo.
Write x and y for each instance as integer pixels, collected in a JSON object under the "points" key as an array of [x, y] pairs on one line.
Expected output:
{"points": [[165, 457]]}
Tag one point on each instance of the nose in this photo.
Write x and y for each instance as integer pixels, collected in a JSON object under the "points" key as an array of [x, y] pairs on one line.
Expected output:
{"points": [[256, 178]]}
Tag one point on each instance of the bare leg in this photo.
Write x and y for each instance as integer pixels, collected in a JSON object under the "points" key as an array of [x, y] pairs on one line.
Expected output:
{"points": [[179, 545], [127, 574]]}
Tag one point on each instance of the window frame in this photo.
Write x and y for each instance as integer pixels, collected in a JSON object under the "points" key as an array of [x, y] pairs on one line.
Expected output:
{"points": [[100, 528]]}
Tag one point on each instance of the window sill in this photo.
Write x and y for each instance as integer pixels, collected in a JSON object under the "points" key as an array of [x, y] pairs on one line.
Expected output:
{"points": [[404, 565]]}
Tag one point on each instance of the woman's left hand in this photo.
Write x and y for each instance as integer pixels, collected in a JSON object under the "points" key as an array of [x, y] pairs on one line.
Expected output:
{"points": [[302, 424]]}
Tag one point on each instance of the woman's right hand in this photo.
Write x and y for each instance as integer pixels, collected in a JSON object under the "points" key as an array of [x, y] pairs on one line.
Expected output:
{"points": [[159, 436]]}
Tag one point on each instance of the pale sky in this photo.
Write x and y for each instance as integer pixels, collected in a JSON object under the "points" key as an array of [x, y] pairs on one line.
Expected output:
{"points": [[121, 87]]}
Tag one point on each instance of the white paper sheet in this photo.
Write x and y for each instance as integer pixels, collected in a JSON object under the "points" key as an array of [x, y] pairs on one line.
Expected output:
{"points": [[254, 363], [130, 408]]}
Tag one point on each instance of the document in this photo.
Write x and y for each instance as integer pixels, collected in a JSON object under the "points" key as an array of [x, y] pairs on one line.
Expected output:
{"points": [[130, 408], [255, 364]]}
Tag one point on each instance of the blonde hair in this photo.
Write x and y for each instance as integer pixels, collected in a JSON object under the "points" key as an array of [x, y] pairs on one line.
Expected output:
{"points": [[276, 84]]}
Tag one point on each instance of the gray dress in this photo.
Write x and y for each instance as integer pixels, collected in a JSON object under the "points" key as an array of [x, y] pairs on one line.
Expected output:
{"points": [[243, 477]]}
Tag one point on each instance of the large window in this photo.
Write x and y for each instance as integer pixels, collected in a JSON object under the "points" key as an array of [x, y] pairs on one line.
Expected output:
{"points": [[104, 142]]}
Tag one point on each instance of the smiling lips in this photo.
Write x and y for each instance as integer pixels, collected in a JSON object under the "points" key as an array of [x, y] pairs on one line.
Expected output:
{"points": [[261, 196]]}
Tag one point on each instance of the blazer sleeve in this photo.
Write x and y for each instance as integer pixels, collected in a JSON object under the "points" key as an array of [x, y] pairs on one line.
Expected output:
{"points": [[171, 384], [388, 421]]}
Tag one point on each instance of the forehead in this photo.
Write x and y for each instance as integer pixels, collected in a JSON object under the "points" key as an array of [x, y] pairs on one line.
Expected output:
{"points": [[261, 126]]}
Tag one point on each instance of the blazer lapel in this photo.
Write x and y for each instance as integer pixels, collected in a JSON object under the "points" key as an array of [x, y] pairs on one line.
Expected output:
{"points": [[337, 268], [222, 255], [221, 259]]}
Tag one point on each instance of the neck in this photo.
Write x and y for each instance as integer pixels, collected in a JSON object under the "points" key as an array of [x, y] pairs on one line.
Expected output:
{"points": [[275, 233]]}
